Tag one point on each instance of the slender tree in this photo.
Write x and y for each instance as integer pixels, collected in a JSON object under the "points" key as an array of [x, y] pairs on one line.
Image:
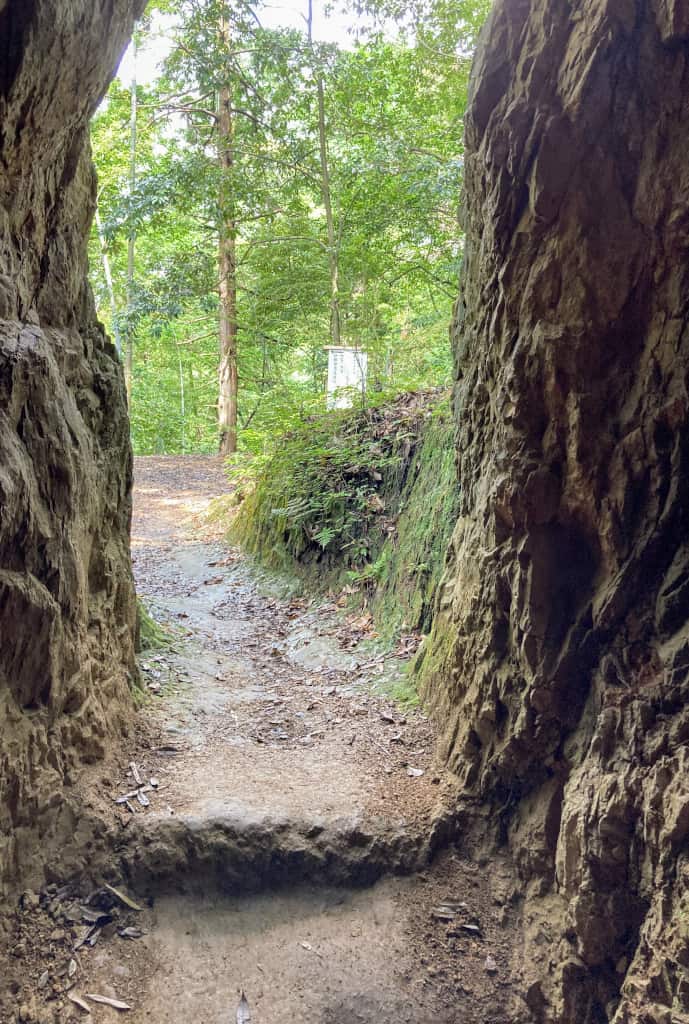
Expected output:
{"points": [[326, 194], [228, 376], [131, 244], [109, 283]]}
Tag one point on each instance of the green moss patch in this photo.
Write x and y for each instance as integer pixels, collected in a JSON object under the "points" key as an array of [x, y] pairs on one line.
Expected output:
{"points": [[150, 635], [364, 500]]}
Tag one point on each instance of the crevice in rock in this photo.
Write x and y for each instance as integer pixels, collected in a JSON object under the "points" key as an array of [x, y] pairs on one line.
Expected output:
{"points": [[14, 26]]}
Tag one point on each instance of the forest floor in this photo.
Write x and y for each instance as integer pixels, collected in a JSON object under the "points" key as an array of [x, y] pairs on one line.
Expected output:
{"points": [[294, 843]]}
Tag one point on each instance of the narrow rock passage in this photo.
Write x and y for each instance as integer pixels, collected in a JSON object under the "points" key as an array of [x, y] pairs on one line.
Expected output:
{"points": [[271, 709], [284, 848]]}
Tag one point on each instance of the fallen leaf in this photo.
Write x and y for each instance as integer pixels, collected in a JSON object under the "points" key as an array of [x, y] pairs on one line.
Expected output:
{"points": [[71, 913], [125, 797], [470, 929], [88, 936], [81, 1003], [444, 913], [116, 1004], [130, 933], [135, 773], [123, 898], [95, 916], [243, 1011], [82, 936], [309, 947]]}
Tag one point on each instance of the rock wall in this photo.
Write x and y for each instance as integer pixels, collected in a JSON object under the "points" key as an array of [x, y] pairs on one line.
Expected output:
{"points": [[560, 656], [67, 605]]}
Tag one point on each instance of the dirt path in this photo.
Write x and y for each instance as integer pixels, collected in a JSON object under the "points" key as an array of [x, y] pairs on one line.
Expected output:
{"points": [[279, 718], [288, 842]]}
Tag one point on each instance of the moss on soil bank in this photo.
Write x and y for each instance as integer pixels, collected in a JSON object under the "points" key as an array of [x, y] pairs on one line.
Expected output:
{"points": [[150, 635], [365, 500]]}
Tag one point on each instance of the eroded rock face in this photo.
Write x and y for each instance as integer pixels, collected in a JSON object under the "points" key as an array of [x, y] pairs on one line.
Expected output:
{"points": [[66, 596], [560, 656]]}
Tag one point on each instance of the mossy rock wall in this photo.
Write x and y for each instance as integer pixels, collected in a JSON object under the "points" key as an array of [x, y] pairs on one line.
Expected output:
{"points": [[414, 555], [366, 499]]}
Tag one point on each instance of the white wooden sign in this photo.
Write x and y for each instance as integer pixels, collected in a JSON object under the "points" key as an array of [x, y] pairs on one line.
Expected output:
{"points": [[347, 369]]}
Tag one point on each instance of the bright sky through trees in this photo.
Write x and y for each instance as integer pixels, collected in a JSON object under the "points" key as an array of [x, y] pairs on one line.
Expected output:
{"points": [[334, 26], [279, 191]]}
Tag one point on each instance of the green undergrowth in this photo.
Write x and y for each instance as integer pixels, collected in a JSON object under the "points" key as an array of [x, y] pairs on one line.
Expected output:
{"points": [[363, 501], [404, 691], [150, 635]]}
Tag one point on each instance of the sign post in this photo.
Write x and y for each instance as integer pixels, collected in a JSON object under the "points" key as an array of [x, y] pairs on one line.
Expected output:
{"points": [[347, 370]]}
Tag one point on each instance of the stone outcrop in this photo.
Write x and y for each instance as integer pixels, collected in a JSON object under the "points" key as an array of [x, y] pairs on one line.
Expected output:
{"points": [[66, 597], [560, 656]]}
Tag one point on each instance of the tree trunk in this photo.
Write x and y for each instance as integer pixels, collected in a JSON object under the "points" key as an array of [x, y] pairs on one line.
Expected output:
{"points": [[333, 246], [109, 281], [129, 341], [182, 408], [333, 261], [228, 379]]}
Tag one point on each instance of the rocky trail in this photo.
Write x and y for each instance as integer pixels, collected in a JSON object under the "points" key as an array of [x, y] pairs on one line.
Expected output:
{"points": [[277, 817]]}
